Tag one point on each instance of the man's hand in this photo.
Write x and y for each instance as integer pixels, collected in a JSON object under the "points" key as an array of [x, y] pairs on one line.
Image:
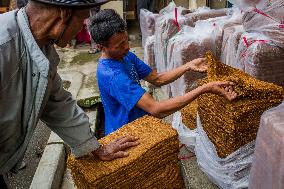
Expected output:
{"points": [[222, 88], [198, 65], [116, 149]]}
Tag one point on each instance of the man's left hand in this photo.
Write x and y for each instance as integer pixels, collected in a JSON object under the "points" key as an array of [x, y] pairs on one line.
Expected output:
{"points": [[197, 65], [116, 149]]}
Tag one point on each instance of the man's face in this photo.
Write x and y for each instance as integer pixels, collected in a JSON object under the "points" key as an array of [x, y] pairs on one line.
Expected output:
{"points": [[118, 46], [74, 26]]}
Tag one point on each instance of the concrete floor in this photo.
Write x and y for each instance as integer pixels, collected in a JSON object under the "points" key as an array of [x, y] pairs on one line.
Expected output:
{"points": [[24, 177]]}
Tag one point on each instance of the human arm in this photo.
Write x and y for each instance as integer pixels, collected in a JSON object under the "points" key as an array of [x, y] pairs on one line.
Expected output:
{"points": [[160, 79], [167, 107], [62, 114]]}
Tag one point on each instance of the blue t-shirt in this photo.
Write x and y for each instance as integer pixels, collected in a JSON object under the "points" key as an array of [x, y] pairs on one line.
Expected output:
{"points": [[120, 89]]}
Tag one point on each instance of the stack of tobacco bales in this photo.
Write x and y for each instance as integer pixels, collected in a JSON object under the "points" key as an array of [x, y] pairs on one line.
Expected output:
{"points": [[230, 125], [152, 164]]}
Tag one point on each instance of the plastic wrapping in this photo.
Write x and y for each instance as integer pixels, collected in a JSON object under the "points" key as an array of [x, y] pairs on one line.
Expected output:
{"points": [[231, 38], [189, 44], [245, 5], [186, 136], [149, 55], [147, 24], [167, 25], [231, 172], [204, 14], [268, 163], [260, 58], [226, 36], [170, 22], [268, 21]]}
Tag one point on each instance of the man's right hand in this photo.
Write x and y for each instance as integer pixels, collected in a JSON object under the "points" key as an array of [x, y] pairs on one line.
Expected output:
{"points": [[116, 149], [222, 88]]}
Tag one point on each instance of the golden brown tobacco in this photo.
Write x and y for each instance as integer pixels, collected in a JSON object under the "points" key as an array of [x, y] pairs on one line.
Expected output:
{"points": [[189, 114], [230, 125], [152, 164]]}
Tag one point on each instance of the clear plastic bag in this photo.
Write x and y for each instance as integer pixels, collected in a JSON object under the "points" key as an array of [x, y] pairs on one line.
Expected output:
{"points": [[267, 21], [245, 5], [190, 43], [204, 13], [224, 37], [186, 135], [231, 38], [149, 55], [168, 23], [231, 172], [258, 56], [268, 163], [147, 24]]}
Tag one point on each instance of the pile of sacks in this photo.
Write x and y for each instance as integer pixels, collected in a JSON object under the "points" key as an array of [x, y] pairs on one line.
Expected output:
{"points": [[151, 164], [170, 21], [259, 42], [230, 125], [188, 44]]}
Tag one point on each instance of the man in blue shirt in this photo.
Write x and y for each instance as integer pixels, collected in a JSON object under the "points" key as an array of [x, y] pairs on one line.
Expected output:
{"points": [[119, 73]]}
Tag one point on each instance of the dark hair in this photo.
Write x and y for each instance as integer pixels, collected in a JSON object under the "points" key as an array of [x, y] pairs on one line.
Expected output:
{"points": [[104, 25]]}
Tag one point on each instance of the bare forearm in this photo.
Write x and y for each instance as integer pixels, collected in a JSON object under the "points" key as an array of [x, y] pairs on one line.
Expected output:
{"points": [[167, 107], [170, 76]]}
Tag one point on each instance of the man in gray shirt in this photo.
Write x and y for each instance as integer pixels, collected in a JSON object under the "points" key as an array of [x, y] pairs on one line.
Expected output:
{"points": [[31, 89]]}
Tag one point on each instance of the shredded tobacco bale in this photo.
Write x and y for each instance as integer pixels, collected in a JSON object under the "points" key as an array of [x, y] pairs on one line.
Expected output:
{"points": [[152, 164], [230, 125], [189, 114]]}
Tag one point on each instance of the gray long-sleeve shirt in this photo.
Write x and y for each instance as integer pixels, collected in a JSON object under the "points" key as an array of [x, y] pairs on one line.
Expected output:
{"points": [[31, 89]]}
